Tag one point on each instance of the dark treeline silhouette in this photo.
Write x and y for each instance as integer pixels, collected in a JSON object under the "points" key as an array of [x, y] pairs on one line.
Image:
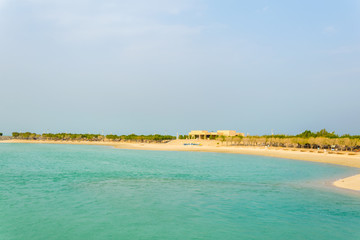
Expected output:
{"points": [[91, 137]]}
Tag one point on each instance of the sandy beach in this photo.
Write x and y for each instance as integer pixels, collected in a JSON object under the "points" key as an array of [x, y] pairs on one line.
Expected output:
{"points": [[351, 183], [339, 158]]}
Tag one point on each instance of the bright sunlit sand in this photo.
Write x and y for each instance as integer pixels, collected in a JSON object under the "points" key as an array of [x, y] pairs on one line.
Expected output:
{"points": [[352, 183]]}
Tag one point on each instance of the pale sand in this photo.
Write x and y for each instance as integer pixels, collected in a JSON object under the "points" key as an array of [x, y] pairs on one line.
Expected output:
{"points": [[344, 159], [352, 183]]}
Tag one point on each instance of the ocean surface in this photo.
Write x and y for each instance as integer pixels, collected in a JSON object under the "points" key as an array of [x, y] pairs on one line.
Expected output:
{"points": [[94, 192]]}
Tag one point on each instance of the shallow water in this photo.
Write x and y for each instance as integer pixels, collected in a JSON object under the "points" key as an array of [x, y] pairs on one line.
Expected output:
{"points": [[93, 192]]}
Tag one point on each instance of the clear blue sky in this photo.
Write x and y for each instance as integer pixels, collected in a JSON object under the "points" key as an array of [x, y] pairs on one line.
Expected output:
{"points": [[167, 66]]}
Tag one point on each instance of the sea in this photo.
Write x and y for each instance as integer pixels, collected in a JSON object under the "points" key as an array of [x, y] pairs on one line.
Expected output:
{"points": [[50, 192]]}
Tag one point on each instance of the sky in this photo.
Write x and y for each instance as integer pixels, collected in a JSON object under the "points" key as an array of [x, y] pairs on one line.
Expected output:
{"points": [[171, 66]]}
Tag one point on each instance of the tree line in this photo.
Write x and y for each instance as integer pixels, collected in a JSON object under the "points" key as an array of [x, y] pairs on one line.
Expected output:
{"points": [[91, 137], [141, 138], [307, 139]]}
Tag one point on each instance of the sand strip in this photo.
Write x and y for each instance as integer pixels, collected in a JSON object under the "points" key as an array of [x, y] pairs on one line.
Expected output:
{"points": [[352, 183]]}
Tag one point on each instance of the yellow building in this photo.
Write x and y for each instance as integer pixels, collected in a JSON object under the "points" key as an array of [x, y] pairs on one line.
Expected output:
{"points": [[202, 134]]}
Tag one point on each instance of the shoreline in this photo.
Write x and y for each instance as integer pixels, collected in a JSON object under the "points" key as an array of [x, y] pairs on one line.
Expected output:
{"points": [[350, 183], [353, 160]]}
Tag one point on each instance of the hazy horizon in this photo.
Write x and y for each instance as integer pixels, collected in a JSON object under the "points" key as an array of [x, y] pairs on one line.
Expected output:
{"points": [[164, 67]]}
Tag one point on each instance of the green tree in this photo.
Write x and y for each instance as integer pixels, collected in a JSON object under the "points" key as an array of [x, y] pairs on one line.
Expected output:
{"points": [[15, 134], [306, 134], [324, 133]]}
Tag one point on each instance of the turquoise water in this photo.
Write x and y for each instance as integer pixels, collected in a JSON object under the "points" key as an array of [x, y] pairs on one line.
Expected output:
{"points": [[92, 192]]}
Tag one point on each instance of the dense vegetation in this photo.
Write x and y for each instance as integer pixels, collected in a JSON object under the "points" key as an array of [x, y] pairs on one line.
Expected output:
{"points": [[92, 137], [183, 136], [314, 140], [1, 134], [140, 138]]}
